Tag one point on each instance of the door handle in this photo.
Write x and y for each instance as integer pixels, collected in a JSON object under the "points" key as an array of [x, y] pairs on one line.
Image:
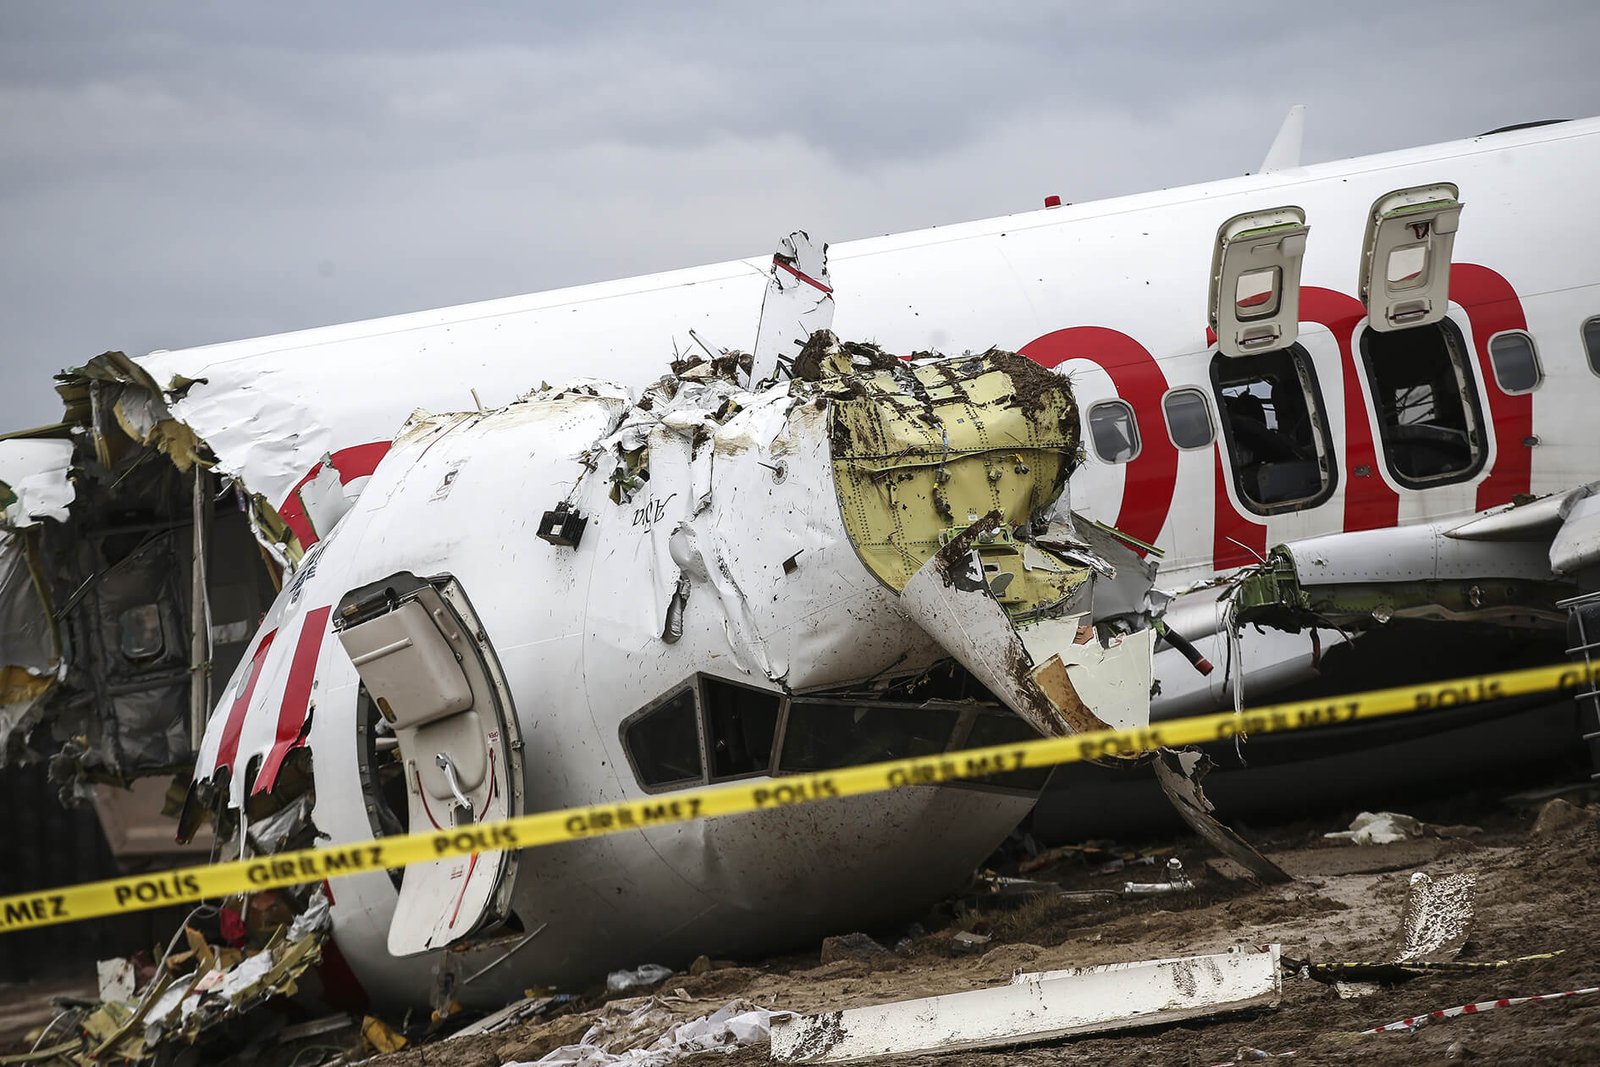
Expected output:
{"points": [[443, 763]]}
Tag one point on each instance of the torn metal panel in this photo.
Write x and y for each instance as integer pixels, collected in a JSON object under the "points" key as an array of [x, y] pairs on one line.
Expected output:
{"points": [[1037, 1007], [30, 661], [1179, 774], [1575, 549], [1405, 572], [798, 303], [35, 481]]}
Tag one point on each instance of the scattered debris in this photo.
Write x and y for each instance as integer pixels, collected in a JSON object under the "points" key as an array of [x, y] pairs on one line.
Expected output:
{"points": [[965, 941], [642, 977], [1037, 1007], [530, 1007], [1410, 1023], [1177, 882], [1179, 774], [650, 1032], [1379, 828]]}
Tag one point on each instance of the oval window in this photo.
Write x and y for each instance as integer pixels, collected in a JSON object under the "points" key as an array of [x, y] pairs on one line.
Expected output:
{"points": [[1114, 431], [1591, 343], [1188, 418], [1515, 363]]}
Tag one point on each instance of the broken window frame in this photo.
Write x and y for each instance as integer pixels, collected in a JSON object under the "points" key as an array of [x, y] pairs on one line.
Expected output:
{"points": [[1326, 458], [1495, 348], [1467, 389], [691, 686], [708, 753], [1590, 333], [967, 714], [1137, 442], [1205, 406]]}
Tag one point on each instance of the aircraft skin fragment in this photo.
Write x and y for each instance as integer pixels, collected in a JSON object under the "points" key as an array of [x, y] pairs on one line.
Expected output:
{"points": [[1037, 1007]]}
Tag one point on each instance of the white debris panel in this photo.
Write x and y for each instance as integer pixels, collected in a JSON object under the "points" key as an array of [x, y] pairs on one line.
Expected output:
{"points": [[1037, 1007], [37, 474]]}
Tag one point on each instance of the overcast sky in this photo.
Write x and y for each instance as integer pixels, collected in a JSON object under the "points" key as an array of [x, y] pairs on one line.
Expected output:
{"points": [[178, 173]]}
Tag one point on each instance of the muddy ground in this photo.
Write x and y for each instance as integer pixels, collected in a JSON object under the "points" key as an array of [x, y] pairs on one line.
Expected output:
{"points": [[1536, 894]]}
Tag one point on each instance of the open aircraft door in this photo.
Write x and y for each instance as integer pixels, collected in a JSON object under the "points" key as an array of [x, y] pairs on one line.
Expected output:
{"points": [[1405, 259], [1255, 280], [429, 669]]}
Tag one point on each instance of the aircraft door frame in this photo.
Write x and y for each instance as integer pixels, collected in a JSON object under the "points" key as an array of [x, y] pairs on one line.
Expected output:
{"points": [[430, 670]]}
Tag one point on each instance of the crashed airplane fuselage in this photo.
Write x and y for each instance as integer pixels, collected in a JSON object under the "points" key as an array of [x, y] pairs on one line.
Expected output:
{"points": [[580, 599]]}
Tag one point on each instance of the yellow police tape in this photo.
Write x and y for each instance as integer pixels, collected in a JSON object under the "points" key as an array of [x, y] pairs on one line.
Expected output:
{"points": [[192, 884]]}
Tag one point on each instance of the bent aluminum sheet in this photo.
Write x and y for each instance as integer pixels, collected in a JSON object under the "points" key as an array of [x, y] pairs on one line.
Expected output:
{"points": [[1037, 1007]]}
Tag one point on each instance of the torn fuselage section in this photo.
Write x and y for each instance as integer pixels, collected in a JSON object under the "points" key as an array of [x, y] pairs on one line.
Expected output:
{"points": [[949, 473], [705, 584], [141, 575], [1420, 573]]}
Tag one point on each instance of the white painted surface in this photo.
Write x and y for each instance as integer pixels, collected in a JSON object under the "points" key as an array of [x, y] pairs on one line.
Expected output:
{"points": [[1037, 1007], [37, 472]]}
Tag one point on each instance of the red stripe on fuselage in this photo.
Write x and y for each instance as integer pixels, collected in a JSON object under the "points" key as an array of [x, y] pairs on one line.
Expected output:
{"points": [[1369, 502], [354, 462], [296, 695], [1235, 538], [1492, 306], [1151, 476], [228, 747]]}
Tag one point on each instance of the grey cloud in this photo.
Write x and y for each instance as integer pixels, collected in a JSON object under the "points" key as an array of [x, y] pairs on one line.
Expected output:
{"points": [[172, 174]]}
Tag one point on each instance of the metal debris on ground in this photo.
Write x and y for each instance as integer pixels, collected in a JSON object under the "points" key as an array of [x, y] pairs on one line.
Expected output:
{"points": [[1177, 881], [190, 992], [1037, 1006], [1179, 775], [1379, 828], [641, 977], [653, 1031], [530, 1007], [1435, 923]]}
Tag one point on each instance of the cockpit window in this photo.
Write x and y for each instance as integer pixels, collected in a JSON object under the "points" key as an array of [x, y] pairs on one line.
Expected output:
{"points": [[1114, 431], [663, 742], [740, 725], [1428, 415], [1278, 439], [824, 735]]}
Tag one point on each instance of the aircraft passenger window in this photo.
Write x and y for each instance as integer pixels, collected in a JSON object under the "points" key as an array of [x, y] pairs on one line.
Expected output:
{"points": [[140, 632], [740, 725], [1114, 430], [1428, 416], [1277, 432], [663, 742], [1591, 343], [824, 736], [1188, 418], [1515, 363]]}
